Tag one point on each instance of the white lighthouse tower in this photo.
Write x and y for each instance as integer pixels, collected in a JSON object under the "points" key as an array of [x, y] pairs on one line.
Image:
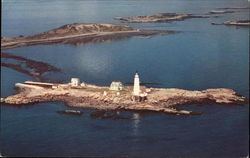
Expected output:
{"points": [[136, 91]]}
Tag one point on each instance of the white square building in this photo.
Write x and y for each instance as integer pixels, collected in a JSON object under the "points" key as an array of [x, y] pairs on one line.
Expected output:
{"points": [[75, 82], [116, 86]]}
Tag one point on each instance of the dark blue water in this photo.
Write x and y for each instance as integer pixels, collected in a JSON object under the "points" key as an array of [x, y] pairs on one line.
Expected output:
{"points": [[201, 56]]}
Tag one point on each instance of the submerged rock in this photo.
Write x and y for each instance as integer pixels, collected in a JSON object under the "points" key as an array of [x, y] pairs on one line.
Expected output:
{"points": [[107, 115], [74, 112], [35, 69]]}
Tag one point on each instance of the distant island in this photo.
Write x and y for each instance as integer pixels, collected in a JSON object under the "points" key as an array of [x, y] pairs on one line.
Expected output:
{"points": [[235, 23], [228, 10], [221, 11], [160, 17], [119, 97], [79, 33], [235, 8]]}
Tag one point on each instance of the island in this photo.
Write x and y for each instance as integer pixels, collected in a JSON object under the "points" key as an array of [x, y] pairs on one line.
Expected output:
{"points": [[221, 11], [119, 97], [235, 23], [228, 10], [79, 34], [160, 17], [235, 8]]}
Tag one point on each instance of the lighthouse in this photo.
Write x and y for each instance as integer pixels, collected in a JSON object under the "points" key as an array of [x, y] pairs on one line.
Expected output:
{"points": [[136, 91], [138, 94]]}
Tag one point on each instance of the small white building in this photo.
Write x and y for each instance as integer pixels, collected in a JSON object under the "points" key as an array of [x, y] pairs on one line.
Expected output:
{"points": [[75, 82], [116, 86], [83, 84], [55, 86]]}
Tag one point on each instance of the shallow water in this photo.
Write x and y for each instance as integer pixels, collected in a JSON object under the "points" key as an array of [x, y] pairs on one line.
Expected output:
{"points": [[200, 56]]}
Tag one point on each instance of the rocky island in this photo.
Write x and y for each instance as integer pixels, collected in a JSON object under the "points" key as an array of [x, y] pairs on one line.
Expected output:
{"points": [[160, 17], [221, 11], [79, 33], [235, 8], [235, 23], [119, 97]]}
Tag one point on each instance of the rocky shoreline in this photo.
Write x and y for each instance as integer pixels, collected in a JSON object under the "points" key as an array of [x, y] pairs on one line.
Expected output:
{"points": [[79, 34], [165, 100]]}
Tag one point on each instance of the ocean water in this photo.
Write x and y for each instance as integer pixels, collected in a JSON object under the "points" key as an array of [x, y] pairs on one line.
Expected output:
{"points": [[201, 56]]}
